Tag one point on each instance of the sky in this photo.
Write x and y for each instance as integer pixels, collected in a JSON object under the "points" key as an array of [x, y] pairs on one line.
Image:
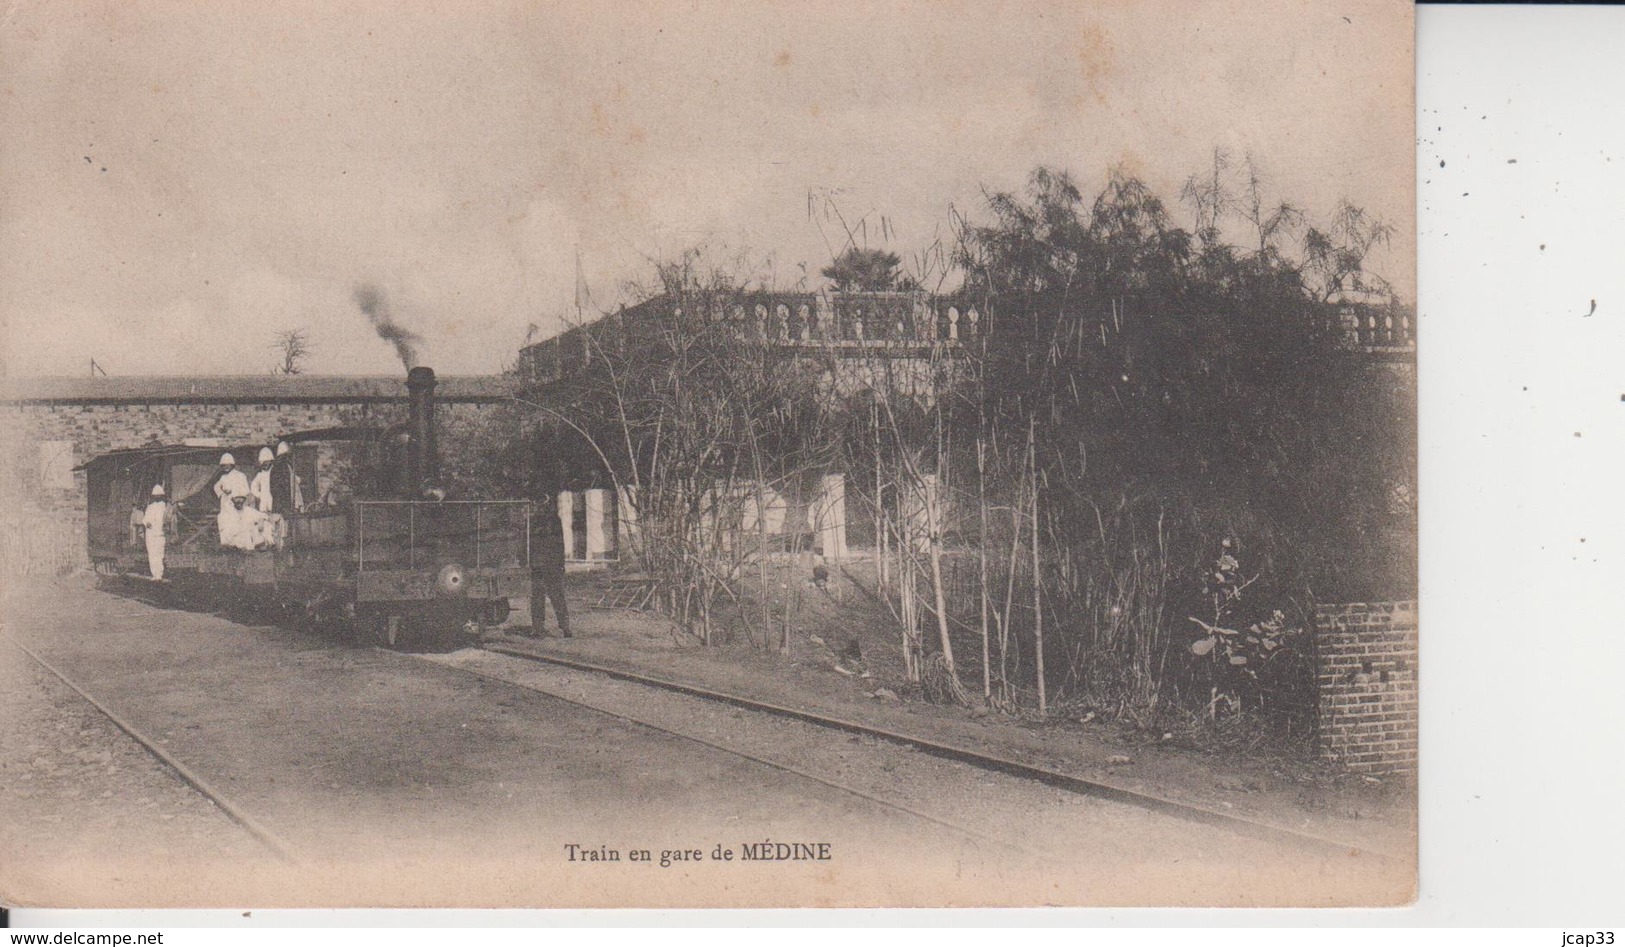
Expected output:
{"points": [[180, 181]]}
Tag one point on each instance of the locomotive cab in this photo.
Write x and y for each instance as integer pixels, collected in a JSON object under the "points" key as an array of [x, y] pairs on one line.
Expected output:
{"points": [[425, 567]]}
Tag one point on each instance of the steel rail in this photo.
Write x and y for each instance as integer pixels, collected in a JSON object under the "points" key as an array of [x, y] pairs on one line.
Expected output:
{"points": [[245, 821], [733, 751], [1239, 825]]}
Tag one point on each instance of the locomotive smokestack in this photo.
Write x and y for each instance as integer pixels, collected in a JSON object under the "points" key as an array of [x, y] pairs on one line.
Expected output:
{"points": [[422, 458]]}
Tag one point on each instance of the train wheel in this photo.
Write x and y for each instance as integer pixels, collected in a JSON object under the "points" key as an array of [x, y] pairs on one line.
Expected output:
{"points": [[467, 634], [443, 634], [380, 629], [495, 612]]}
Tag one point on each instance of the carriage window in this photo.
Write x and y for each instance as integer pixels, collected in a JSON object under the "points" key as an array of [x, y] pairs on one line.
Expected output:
{"points": [[340, 472], [189, 480], [56, 465]]}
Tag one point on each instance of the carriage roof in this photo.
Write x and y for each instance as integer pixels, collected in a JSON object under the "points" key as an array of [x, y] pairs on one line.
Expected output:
{"points": [[129, 456]]}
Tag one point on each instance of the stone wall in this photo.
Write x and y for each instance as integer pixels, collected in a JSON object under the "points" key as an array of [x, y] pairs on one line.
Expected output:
{"points": [[1366, 678]]}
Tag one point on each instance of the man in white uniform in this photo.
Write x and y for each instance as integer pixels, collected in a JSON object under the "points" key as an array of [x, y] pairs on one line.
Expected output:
{"points": [[259, 490], [231, 484], [254, 529], [153, 523], [260, 497], [246, 528]]}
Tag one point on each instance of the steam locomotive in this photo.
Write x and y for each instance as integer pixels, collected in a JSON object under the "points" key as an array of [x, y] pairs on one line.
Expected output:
{"points": [[372, 546]]}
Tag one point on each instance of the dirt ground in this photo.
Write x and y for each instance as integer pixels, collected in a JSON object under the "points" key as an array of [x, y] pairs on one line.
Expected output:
{"points": [[819, 674], [79, 795], [404, 781]]}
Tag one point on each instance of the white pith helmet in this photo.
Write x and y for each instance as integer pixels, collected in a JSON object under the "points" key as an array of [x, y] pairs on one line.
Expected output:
{"points": [[282, 448], [266, 456], [226, 460], [158, 490]]}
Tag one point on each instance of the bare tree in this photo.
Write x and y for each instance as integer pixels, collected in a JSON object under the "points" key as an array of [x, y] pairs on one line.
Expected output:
{"points": [[1210, 195], [1222, 192], [294, 346], [1268, 220], [705, 424]]}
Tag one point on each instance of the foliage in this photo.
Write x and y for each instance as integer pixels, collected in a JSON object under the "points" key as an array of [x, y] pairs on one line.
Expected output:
{"points": [[692, 411], [1245, 666], [860, 269], [1183, 390], [1334, 256], [1138, 395]]}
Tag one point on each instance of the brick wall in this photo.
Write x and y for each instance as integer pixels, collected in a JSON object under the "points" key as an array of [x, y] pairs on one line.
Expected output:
{"points": [[42, 528], [1366, 678]]}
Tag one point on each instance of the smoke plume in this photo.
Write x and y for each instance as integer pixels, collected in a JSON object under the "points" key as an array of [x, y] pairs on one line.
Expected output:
{"points": [[375, 307]]}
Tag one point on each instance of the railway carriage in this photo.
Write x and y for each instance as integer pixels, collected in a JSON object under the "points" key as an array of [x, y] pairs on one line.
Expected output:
{"points": [[365, 550]]}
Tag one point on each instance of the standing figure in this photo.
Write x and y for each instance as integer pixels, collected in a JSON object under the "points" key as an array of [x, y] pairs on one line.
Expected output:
{"points": [[262, 496], [231, 484], [137, 513], [153, 523], [286, 490], [259, 490], [547, 566]]}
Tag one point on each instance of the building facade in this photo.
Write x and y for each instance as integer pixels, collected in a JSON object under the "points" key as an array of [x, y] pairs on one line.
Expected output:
{"points": [[909, 344]]}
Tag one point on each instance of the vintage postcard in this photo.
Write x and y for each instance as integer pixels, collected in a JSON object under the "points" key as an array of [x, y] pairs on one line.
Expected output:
{"points": [[708, 454]]}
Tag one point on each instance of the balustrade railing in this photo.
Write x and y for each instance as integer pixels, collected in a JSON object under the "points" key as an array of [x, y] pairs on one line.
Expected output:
{"points": [[902, 323], [1365, 328], [898, 320], [869, 318]]}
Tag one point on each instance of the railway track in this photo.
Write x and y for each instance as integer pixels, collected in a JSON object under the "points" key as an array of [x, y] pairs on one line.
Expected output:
{"points": [[284, 852], [191, 778], [1248, 828], [777, 765], [988, 762]]}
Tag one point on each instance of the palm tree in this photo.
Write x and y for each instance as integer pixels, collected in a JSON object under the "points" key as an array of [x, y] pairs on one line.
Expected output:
{"points": [[859, 269]]}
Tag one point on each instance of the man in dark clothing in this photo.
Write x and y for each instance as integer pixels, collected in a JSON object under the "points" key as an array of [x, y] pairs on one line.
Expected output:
{"points": [[547, 565], [287, 489]]}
